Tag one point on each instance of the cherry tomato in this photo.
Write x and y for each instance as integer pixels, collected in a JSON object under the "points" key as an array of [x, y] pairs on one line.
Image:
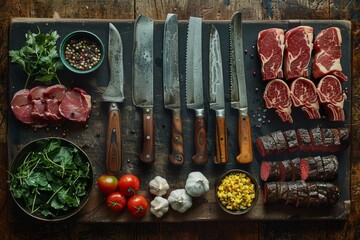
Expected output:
{"points": [[116, 201], [107, 183], [129, 184], [137, 206]]}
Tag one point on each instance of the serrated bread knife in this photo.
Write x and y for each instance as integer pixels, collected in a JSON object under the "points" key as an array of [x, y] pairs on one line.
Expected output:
{"points": [[142, 88], [114, 94], [172, 87], [216, 95], [194, 87], [238, 90]]}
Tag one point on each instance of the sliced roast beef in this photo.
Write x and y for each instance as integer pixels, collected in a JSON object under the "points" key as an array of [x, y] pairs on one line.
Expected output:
{"points": [[317, 139], [266, 145], [280, 141], [296, 169], [292, 140], [304, 139], [287, 170], [270, 171], [304, 94], [22, 106], [277, 96], [76, 105], [331, 167], [301, 193], [298, 48], [327, 48], [332, 97], [308, 168], [270, 46]]}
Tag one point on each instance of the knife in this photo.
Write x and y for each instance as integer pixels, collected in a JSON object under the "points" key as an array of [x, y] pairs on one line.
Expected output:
{"points": [[142, 91], [216, 95], [194, 87], [114, 94], [172, 87], [238, 89]]}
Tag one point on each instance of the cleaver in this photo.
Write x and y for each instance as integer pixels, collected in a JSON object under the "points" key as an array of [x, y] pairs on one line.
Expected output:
{"points": [[114, 94]]}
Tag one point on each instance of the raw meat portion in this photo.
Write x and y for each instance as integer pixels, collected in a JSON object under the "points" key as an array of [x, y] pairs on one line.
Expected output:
{"points": [[270, 46], [76, 105], [317, 139], [55, 92], [327, 48], [54, 95], [298, 48], [21, 106], [301, 194], [277, 96], [304, 94], [38, 111], [332, 97]]}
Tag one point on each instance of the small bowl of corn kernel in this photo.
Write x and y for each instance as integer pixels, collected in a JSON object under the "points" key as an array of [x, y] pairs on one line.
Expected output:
{"points": [[237, 192]]}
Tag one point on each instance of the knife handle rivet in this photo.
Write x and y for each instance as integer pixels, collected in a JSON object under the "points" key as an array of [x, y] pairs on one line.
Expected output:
{"points": [[148, 117], [148, 137], [147, 110]]}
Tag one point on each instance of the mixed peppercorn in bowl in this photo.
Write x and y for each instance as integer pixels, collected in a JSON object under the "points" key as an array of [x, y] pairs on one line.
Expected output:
{"points": [[237, 192]]}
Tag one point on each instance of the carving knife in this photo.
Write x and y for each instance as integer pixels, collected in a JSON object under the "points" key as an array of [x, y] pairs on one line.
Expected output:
{"points": [[142, 91], [216, 95], [238, 89], [172, 87], [114, 94], [194, 87]]}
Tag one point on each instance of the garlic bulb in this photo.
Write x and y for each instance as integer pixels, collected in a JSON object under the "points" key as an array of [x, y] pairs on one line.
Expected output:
{"points": [[179, 200], [196, 184], [159, 206], [158, 186]]}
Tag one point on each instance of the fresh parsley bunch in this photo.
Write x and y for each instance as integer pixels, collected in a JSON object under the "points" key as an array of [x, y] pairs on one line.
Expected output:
{"points": [[51, 180], [39, 57]]}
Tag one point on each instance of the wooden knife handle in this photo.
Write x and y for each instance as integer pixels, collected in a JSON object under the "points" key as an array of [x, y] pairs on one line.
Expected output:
{"points": [[148, 152], [245, 142], [113, 141], [221, 141], [177, 142], [200, 156]]}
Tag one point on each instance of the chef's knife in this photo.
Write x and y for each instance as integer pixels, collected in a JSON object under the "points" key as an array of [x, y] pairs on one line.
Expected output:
{"points": [[114, 93], [238, 89], [142, 92], [216, 95], [172, 87], [194, 87]]}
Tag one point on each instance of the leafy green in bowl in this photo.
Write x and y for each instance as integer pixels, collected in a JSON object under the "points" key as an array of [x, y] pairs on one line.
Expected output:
{"points": [[51, 179]]}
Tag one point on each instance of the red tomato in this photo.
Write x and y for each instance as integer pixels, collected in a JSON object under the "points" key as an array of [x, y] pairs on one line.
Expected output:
{"points": [[129, 184], [107, 183], [116, 201], [137, 206]]}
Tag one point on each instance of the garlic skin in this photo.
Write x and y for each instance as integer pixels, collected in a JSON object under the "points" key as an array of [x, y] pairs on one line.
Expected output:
{"points": [[159, 206], [179, 200], [196, 184], [158, 186]]}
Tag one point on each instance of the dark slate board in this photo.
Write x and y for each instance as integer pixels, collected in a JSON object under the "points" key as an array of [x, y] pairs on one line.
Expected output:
{"points": [[91, 136]]}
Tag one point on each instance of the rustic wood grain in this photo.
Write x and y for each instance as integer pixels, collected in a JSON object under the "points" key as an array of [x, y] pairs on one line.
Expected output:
{"points": [[223, 9]]}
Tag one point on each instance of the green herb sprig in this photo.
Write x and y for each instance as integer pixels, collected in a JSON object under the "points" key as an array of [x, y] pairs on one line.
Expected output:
{"points": [[51, 180], [39, 57]]}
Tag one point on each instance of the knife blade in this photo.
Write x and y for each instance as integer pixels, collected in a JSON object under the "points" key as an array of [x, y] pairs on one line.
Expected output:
{"points": [[194, 87], [114, 94], [216, 95], [238, 90], [142, 91], [172, 87]]}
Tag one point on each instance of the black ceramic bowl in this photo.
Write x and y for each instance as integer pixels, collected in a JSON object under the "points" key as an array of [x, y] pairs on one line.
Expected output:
{"points": [[82, 51], [55, 192], [249, 182]]}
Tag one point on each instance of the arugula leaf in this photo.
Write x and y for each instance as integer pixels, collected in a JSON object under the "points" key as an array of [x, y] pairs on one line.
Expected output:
{"points": [[39, 57], [51, 180]]}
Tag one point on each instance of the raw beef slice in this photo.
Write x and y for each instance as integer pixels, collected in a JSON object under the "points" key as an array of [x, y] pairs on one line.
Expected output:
{"points": [[332, 97], [270, 46], [277, 95], [76, 105], [21, 106], [327, 48], [303, 94], [298, 48]]}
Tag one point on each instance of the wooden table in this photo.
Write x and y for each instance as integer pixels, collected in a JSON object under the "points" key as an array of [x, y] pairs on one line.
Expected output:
{"points": [[257, 10]]}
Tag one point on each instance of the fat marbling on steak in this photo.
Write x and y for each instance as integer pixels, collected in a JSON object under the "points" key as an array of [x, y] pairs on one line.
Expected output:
{"points": [[304, 94], [298, 48], [332, 97], [270, 46], [327, 48]]}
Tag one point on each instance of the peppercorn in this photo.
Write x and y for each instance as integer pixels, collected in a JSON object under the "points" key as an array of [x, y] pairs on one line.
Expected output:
{"points": [[82, 53]]}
